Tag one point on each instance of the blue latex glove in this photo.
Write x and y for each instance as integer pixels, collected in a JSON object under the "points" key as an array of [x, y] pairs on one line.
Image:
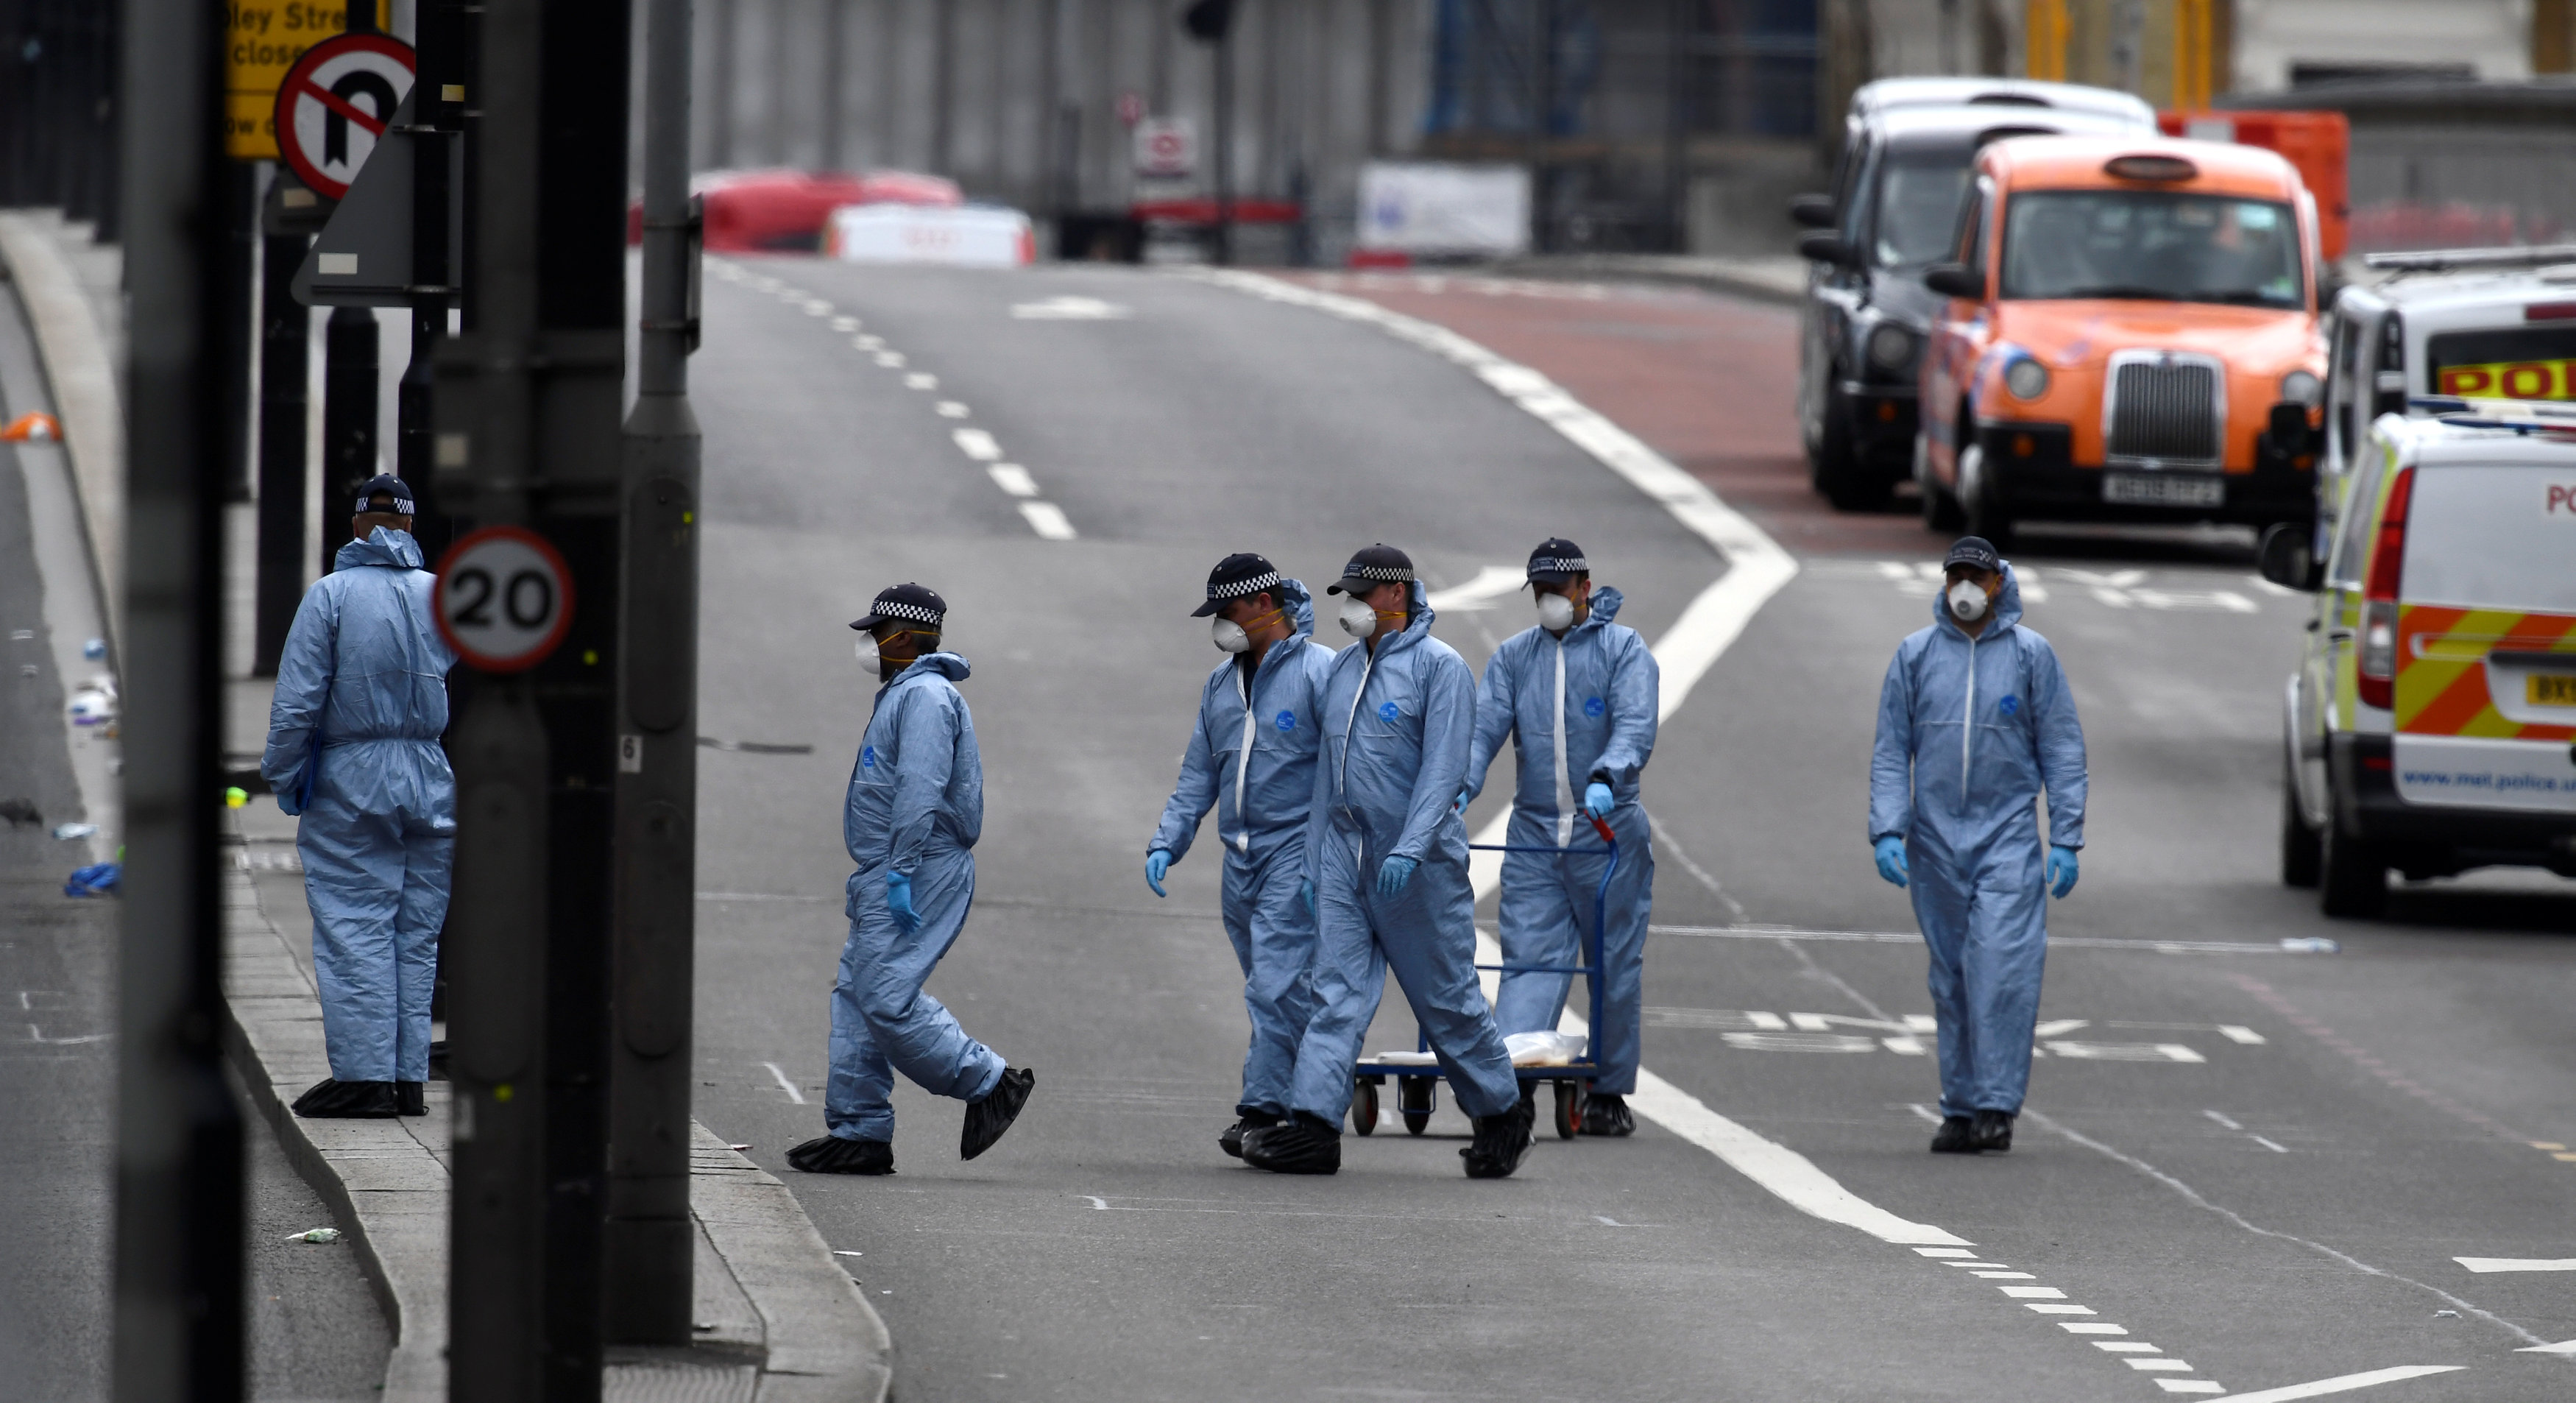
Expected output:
{"points": [[899, 901], [1596, 799], [1157, 862], [1306, 894], [1460, 806], [1891, 859], [2061, 871], [1394, 873]]}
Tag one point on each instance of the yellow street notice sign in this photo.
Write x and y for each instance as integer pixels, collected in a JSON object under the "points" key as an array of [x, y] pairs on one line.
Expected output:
{"points": [[263, 39]]}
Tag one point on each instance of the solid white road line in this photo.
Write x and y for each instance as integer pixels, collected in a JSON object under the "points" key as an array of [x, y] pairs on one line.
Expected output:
{"points": [[2562, 1347], [1757, 568], [2487, 1264], [2344, 1383], [784, 1084]]}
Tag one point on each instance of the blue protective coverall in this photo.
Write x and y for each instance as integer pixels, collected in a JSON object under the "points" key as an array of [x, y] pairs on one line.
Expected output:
{"points": [[916, 806], [362, 695], [1252, 758], [1971, 731], [1591, 700], [1397, 726]]}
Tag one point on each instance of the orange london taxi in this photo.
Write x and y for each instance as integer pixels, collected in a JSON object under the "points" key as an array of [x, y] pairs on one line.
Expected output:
{"points": [[2131, 335]]}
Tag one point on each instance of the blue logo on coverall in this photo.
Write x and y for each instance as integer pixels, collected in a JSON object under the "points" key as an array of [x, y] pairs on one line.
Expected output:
{"points": [[2010, 706], [867, 757], [1386, 712], [1287, 720], [1592, 707]]}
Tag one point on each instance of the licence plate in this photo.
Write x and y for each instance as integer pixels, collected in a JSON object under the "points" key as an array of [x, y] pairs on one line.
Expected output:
{"points": [[2163, 490], [2550, 689]]}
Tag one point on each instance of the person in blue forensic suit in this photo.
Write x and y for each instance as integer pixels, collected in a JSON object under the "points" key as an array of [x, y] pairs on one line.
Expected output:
{"points": [[915, 809], [1389, 857], [1578, 695], [353, 750], [1975, 723], [1251, 757]]}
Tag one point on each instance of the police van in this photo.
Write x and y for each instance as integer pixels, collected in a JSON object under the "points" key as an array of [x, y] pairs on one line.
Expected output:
{"points": [[2463, 322], [2431, 725]]}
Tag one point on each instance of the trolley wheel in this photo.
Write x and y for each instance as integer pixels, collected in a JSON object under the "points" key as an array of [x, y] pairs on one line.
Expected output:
{"points": [[1364, 1108], [1413, 1098], [1569, 1109]]}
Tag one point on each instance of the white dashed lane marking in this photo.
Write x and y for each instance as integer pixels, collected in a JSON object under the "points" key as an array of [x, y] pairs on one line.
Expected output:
{"points": [[1044, 518], [2112, 589]]}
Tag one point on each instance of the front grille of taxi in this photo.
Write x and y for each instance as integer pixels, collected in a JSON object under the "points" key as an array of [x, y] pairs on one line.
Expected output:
{"points": [[2164, 410]]}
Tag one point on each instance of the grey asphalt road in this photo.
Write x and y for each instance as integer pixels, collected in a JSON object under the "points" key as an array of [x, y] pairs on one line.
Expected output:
{"points": [[314, 1329], [2261, 1164]]}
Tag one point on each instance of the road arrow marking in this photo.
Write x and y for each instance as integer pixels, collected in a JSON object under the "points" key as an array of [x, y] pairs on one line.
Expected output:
{"points": [[2344, 1383]]}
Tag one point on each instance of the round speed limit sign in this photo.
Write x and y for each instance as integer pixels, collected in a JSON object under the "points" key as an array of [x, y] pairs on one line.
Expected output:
{"points": [[504, 598]]}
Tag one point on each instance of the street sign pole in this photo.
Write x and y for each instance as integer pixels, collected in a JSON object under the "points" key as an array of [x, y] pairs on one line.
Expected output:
{"points": [[650, 1244], [286, 339], [526, 433], [179, 1317]]}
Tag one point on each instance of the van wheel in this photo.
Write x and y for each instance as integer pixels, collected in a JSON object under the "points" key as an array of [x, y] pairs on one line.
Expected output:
{"points": [[2352, 875], [2302, 851]]}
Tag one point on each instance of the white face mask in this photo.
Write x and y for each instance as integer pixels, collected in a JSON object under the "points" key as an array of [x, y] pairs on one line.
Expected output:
{"points": [[1357, 618], [1967, 601], [1555, 613], [1229, 636], [868, 659]]}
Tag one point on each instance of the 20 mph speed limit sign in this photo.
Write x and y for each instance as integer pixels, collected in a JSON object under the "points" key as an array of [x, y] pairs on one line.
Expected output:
{"points": [[504, 599]]}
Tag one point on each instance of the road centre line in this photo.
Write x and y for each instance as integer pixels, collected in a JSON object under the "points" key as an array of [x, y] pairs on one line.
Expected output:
{"points": [[1044, 518]]}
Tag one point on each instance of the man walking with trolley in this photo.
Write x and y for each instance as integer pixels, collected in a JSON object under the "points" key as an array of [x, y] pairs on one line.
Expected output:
{"points": [[1577, 695], [1389, 856]]}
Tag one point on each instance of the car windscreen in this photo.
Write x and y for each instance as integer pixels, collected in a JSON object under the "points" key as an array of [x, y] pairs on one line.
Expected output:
{"points": [[2519, 362], [2491, 536], [2153, 245], [1918, 206]]}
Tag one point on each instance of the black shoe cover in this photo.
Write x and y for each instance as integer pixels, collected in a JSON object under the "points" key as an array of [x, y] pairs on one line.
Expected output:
{"points": [[1300, 1144], [1501, 1141], [1230, 1139], [348, 1100], [411, 1098], [1957, 1136], [833, 1155], [1993, 1130], [988, 1118], [1607, 1115]]}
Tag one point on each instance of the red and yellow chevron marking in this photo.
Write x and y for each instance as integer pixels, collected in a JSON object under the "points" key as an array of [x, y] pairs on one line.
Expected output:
{"points": [[2442, 675]]}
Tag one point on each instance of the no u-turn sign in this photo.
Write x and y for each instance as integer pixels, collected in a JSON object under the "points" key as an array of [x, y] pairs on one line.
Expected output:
{"points": [[335, 102]]}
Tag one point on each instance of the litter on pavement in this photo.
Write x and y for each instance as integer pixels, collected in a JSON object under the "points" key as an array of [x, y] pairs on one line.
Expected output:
{"points": [[69, 831], [97, 879], [315, 1235]]}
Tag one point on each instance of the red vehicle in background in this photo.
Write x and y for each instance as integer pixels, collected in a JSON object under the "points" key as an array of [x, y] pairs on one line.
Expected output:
{"points": [[784, 211], [2319, 144]]}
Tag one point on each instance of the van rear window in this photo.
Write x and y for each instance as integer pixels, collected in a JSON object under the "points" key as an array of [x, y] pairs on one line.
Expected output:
{"points": [[2497, 537], [2521, 362]]}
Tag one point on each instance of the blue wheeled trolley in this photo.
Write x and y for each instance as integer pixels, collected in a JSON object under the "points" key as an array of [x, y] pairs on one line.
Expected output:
{"points": [[1415, 1081]]}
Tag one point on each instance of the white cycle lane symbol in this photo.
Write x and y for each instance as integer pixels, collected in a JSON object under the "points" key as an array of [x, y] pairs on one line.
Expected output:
{"points": [[504, 599]]}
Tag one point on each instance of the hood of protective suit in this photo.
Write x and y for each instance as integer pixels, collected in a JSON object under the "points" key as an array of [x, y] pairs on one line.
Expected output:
{"points": [[2006, 606], [1606, 600], [1418, 628], [1301, 607], [384, 546], [952, 666]]}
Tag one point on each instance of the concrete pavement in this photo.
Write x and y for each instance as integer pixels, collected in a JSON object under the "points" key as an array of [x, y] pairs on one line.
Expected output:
{"points": [[1106, 1250]]}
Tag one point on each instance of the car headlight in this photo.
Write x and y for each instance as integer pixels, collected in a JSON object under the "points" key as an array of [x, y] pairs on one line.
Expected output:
{"points": [[1891, 348], [2299, 387], [2026, 378]]}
